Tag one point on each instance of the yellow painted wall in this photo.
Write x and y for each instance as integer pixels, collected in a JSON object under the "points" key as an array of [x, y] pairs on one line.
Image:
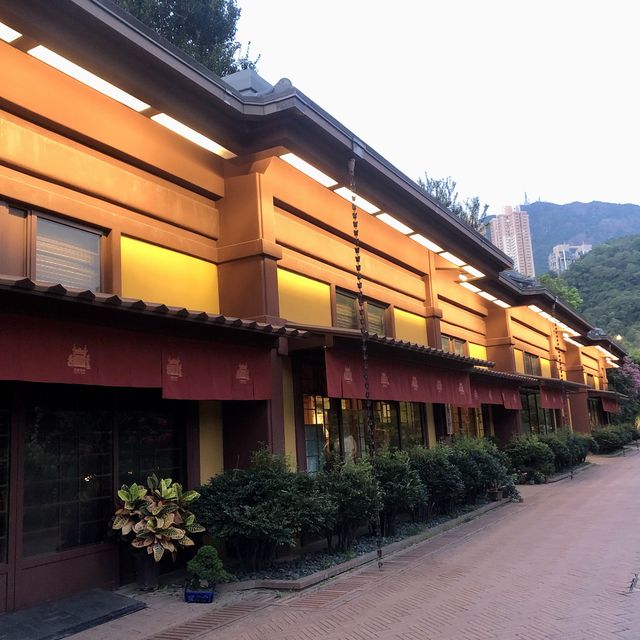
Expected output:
{"points": [[410, 326], [289, 415], [211, 442], [519, 358], [304, 300], [477, 351], [156, 274], [545, 367]]}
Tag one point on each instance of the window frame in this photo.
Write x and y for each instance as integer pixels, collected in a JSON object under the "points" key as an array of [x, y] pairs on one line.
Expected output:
{"points": [[384, 308], [32, 238], [452, 341], [529, 369]]}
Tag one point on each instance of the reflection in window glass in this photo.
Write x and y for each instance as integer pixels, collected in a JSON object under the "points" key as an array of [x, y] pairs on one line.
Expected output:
{"points": [[375, 315], [410, 425], [354, 428], [68, 475], [4, 480], [385, 430], [67, 255], [346, 310]]}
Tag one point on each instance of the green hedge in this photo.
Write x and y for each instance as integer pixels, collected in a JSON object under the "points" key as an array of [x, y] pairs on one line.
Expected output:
{"points": [[531, 459]]}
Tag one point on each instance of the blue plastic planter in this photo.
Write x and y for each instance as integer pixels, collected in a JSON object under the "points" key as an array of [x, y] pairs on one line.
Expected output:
{"points": [[202, 596]]}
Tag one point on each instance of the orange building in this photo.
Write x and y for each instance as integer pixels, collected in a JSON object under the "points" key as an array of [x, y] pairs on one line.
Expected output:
{"points": [[179, 285]]}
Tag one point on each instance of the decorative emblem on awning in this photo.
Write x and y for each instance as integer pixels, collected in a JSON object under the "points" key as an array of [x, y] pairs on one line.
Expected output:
{"points": [[439, 386], [174, 368], [461, 390], [384, 380], [242, 373], [414, 383], [79, 360], [347, 376]]}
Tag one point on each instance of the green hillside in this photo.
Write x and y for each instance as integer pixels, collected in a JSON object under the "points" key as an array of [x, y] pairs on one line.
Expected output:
{"points": [[608, 279], [577, 222]]}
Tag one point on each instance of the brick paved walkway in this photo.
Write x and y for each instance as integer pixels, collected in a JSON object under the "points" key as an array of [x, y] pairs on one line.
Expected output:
{"points": [[555, 567]]}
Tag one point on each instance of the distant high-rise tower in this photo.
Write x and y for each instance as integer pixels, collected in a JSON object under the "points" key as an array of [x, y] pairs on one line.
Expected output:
{"points": [[510, 233]]}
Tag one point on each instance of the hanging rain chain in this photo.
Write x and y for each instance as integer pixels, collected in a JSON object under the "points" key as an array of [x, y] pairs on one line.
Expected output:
{"points": [[564, 411], [368, 407]]}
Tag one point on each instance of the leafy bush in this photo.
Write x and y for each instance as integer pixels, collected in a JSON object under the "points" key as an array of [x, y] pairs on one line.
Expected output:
{"points": [[580, 445], [482, 466], [609, 439], [627, 431], [443, 481], [530, 458], [354, 494], [206, 568], [562, 453], [400, 487], [263, 507]]}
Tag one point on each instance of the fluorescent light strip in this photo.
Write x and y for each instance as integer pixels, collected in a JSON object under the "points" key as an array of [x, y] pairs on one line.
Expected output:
{"points": [[487, 296], [193, 136], [501, 303], [452, 259], [470, 287], [7, 33], [308, 169], [613, 364], [425, 242], [606, 353], [86, 77], [365, 205], [473, 271], [396, 224], [534, 308], [570, 340]]}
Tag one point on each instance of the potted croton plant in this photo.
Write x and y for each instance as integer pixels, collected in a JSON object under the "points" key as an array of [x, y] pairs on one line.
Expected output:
{"points": [[156, 520], [205, 571]]}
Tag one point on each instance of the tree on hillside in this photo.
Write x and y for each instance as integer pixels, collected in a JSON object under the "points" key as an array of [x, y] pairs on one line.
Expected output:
{"points": [[203, 29], [608, 279], [443, 190], [557, 285]]}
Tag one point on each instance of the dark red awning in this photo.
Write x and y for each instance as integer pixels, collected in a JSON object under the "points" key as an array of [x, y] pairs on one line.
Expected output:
{"points": [[610, 405], [393, 380], [551, 398], [511, 399], [483, 393], [50, 350]]}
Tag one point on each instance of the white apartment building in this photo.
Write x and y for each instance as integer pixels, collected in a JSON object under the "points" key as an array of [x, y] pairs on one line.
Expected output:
{"points": [[510, 232]]}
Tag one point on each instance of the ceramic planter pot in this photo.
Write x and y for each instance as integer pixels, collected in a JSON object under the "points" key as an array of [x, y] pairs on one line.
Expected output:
{"points": [[147, 572]]}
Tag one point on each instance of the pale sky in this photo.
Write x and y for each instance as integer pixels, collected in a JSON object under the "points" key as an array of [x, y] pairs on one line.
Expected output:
{"points": [[505, 96]]}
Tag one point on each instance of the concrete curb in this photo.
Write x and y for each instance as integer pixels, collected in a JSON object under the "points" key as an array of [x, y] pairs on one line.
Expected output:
{"points": [[583, 467], [320, 576]]}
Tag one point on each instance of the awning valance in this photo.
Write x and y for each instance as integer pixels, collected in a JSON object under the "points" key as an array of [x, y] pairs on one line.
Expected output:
{"points": [[52, 350], [551, 398], [511, 399], [394, 380], [610, 405]]}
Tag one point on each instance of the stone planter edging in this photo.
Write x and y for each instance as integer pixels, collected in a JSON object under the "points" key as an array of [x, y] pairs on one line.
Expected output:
{"points": [[389, 549]]}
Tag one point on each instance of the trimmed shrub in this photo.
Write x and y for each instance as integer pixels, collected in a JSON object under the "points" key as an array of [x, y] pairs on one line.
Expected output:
{"points": [[609, 439], [354, 494], [400, 487], [580, 445], [530, 458], [258, 509], [441, 478], [562, 453]]}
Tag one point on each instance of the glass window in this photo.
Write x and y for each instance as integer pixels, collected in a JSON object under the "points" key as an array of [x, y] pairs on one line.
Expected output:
{"points": [[68, 486], [385, 430], [67, 255], [454, 345], [321, 431], [4, 477], [532, 364], [411, 433], [346, 310], [375, 316], [354, 428]]}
